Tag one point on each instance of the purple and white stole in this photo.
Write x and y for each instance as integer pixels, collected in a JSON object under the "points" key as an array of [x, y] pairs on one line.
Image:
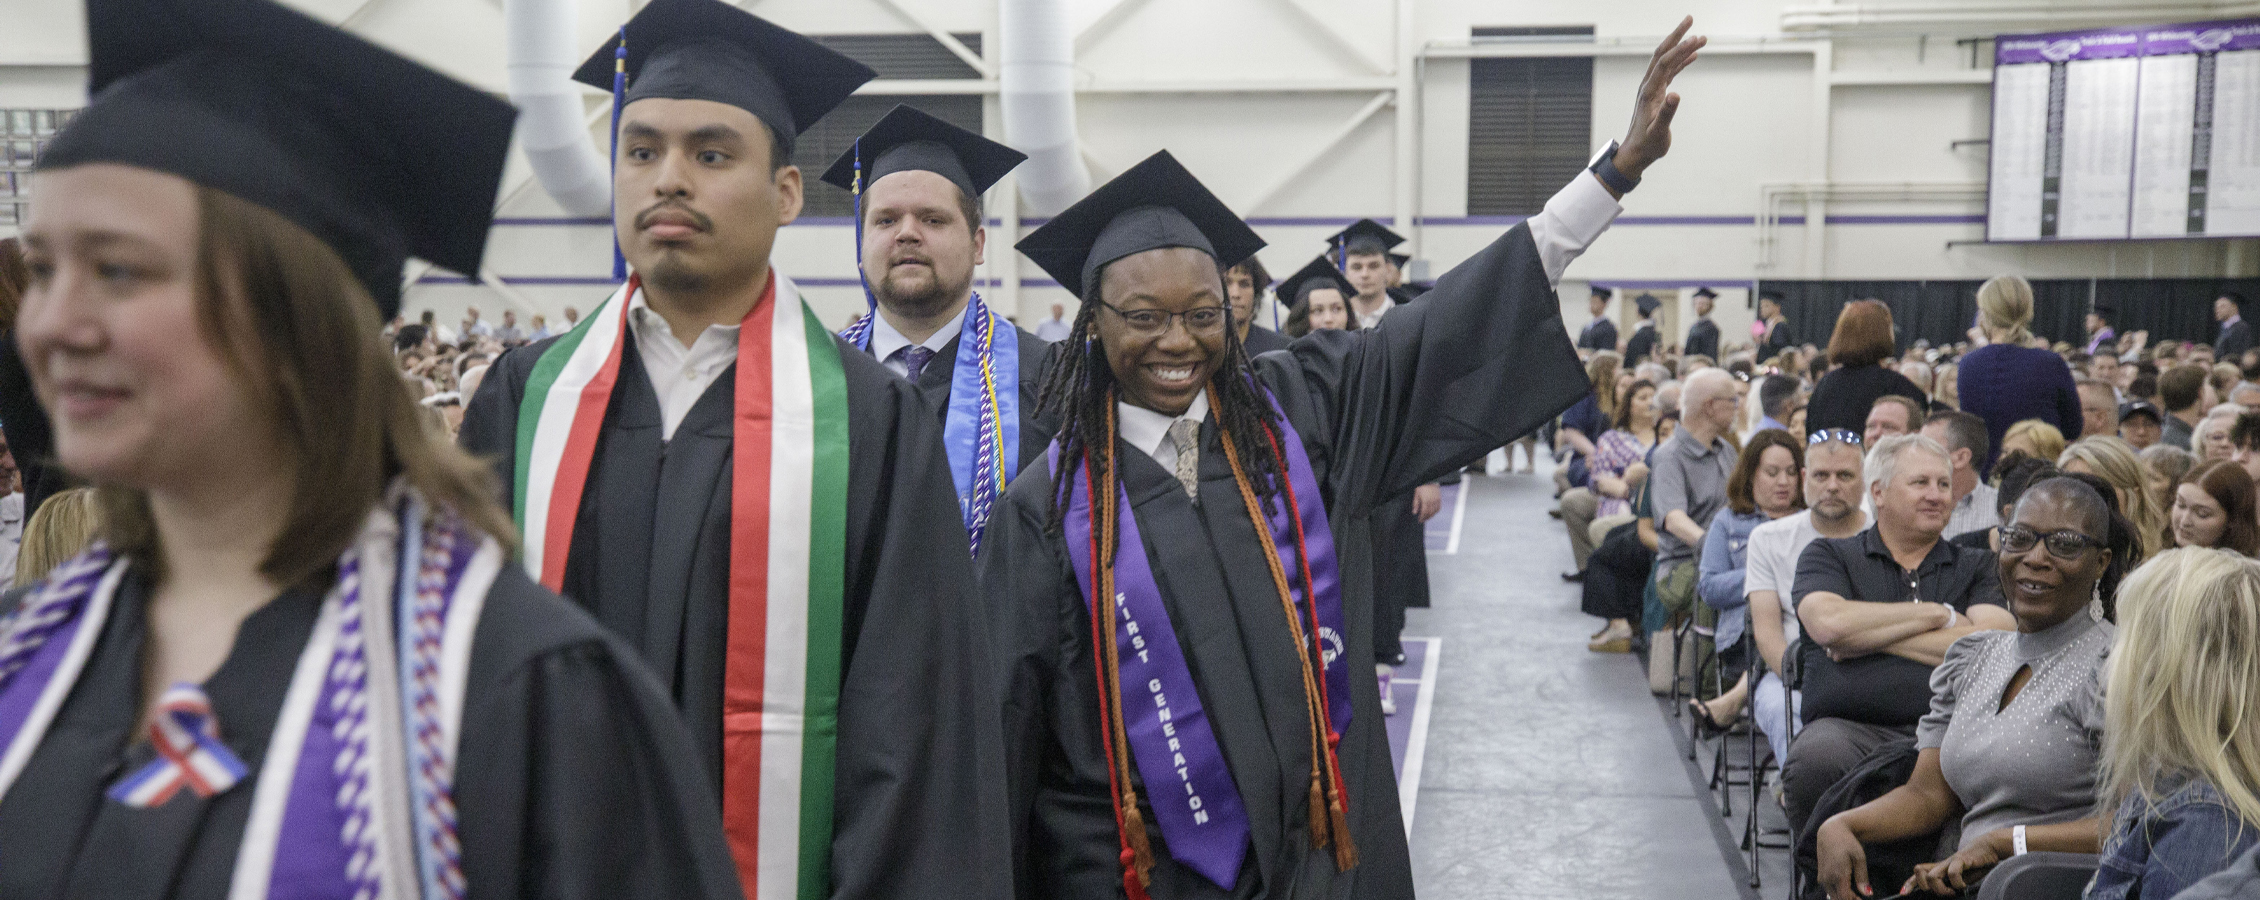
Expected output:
{"points": [[355, 797]]}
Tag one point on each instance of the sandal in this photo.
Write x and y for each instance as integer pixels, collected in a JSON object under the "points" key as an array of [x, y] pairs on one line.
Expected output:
{"points": [[1704, 722]]}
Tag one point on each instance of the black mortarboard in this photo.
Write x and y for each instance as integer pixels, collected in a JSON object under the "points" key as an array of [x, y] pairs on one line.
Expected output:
{"points": [[1399, 259], [2105, 310], [1706, 292], [1364, 236], [1647, 303], [711, 50], [380, 158], [1321, 273], [1154, 205], [1599, 291], [908, 140]]}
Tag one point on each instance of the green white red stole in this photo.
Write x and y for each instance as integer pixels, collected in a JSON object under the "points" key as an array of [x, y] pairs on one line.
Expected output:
{"points": [[788, 536]]}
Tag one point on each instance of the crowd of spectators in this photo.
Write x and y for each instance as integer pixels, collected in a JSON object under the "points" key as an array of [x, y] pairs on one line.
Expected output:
{"points": [[444, 365], [2016, 625]]}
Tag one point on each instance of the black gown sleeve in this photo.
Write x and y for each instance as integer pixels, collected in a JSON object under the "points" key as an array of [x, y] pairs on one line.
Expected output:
{"points": [[575, 778], [1481, 360], [490, 423]]}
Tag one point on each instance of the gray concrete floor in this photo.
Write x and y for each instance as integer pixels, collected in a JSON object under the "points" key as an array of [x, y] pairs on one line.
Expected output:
{"points": [[1550, 771]]}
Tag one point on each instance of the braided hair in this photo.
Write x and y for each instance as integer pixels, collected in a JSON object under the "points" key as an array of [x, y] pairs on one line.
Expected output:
{"points": [[1080, 391]]}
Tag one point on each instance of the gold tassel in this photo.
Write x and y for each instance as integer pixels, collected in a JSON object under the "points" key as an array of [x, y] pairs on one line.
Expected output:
{"points": [[1345, 847], [1318, 816], [1141, 849]]}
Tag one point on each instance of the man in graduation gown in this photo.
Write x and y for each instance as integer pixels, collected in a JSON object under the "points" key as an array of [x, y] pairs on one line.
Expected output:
{"points": [[1401, 290], [918, 183], [1641, 344], [1600, 333], [1244, 284], [1703, 336], [766, 512], [1194, 678], [561, 769], [1362, 250]]}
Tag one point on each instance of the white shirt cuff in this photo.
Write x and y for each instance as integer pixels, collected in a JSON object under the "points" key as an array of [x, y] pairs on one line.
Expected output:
{"points": [[1571, 222]]}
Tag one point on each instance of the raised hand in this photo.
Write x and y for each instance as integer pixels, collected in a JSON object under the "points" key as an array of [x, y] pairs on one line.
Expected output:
{"points": [[1649, 138]]}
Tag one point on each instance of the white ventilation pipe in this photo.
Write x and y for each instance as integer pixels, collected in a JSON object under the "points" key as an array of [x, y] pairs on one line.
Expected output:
{"points": [[553, 126], [1036, 88]]}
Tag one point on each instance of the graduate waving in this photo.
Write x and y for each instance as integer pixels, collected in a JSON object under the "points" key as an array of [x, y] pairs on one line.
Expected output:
{"points": [[1180, 583]]}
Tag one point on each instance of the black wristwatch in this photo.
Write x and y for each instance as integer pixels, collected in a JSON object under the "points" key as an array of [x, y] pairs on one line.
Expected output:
{"points": [[1605, 166]]}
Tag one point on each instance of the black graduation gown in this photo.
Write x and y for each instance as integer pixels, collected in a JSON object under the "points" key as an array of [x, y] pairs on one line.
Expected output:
{"points": [[574, 778], [1482, 360], [1641, 345], [1261, 340], [2235, 339], [1703, 339], [1599, 334], [1035, 360], [650, 559]]}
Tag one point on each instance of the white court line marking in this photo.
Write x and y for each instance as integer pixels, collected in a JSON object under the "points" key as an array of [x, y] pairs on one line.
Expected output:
{"points": [[1459, 516], [1416, 742]]}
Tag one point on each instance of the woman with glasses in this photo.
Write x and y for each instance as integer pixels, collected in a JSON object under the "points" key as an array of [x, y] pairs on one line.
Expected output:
{"points": [[2016, 762]]}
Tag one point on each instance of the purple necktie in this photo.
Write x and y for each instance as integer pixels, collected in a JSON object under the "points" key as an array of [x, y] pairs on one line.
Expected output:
{"points": [[914, 361]]}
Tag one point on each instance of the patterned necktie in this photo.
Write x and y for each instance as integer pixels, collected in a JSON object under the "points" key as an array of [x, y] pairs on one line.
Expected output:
{"points": [[914, 361], [1185, 435]]}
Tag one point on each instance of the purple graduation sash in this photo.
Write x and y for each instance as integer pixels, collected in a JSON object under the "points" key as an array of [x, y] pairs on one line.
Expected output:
{"points": [[1196, 805], [355, 796], [1321, 572]]}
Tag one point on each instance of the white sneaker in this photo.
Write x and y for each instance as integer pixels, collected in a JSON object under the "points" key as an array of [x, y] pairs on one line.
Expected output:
{"points": [[1388, 700]]}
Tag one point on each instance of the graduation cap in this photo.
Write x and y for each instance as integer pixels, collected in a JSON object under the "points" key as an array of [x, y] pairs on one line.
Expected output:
{"points": [[1399, 259], [2105, 311], [380, 158], [908, 140], [1155, 204], [1320, 274], [711, 50], [1706, 292], [1647, 303], [1602, 292], [1363, 237]]}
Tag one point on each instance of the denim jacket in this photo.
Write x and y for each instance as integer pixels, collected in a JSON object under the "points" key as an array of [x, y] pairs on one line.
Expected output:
{"points": [[1723, 564], [2154, 852]]}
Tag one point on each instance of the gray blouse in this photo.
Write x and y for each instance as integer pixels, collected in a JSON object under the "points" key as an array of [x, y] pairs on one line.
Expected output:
{"points": [[2034, 761]]}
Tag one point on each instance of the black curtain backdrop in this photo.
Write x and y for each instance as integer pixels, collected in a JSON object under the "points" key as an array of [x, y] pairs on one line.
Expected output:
{"points": [[1942, 311]]}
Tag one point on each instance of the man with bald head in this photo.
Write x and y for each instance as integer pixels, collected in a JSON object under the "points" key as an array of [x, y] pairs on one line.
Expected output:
{"points": [[1689, 472]]}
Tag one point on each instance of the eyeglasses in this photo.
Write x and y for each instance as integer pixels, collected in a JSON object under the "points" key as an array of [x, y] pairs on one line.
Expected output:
{"points": [[1205, 320], [2064, 545], [1837, 435]]}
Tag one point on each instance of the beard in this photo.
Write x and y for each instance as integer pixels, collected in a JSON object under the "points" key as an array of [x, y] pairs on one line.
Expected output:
{"points": [[919, 296], [671, 274]]}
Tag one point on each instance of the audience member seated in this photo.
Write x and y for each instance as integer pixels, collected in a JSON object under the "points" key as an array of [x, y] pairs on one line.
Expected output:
{"points": [[1948, 386], [2213, 507], [1879, 610], [2165, 466], [2244, 441], [1687, 476], [1890, 416], [2015, 473], [1833, 487], [2099, 406], [2018, 776], [2181, 762], [1616, 578], [1860, 345], [2033, 438], [2009, 382], [62, 527], [1963, 436], [2185, 396], [2210, 440], [2139, 425], [1581, 425], [2113, 461], [1621, 457], [1766, 485]]}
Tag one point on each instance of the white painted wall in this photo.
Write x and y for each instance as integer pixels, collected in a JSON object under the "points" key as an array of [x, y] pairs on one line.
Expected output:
{"points": [[1204, 79]]}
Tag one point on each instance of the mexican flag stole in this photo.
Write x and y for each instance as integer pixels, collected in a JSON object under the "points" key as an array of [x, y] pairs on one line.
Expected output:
{"points": [[788, 536]]}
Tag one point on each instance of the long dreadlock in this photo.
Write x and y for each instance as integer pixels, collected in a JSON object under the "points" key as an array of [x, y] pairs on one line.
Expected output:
{"points": [[1081, 384]]}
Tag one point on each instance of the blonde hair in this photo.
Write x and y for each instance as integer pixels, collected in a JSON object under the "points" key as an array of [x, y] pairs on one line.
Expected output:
{"points": [[1602, 371], [2047, 442], [2005, 309], [2113, 460], [61, 528], [2183, 693]]}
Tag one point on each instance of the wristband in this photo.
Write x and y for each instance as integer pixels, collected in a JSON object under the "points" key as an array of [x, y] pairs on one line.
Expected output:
{"points": [[1951, 616], [2017, 838], [1606, 169]]}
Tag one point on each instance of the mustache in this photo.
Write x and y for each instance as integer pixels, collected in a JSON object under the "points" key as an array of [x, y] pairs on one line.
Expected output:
{"points": [[699, 219]]}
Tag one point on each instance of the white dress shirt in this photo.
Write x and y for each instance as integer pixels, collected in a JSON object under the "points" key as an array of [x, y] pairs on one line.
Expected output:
{"points": [[679, 374], [1149, 431], [887, 344], [1053, 330], [1571, 222]]}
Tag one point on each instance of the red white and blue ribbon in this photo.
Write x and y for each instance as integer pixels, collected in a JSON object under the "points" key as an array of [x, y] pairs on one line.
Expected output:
{"points": [[186, 737], [355, 795]]}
